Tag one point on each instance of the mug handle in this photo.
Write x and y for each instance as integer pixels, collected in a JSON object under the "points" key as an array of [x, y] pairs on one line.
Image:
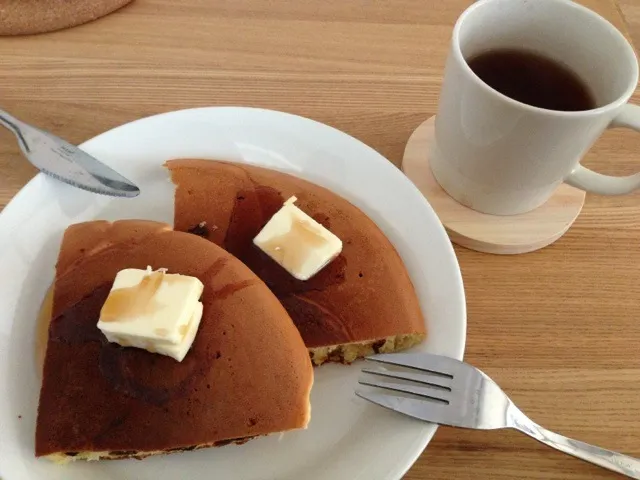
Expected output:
{"points": [[585, 179]]}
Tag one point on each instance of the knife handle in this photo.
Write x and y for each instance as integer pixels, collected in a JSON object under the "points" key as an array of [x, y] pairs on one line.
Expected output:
{"points": [[15, 126]]}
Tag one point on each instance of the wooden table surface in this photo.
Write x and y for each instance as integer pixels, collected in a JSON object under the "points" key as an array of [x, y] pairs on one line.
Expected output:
{"points": [[558, 329]]}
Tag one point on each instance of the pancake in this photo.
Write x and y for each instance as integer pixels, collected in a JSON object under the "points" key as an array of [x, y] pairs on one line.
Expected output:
{"points": [[363, 302], [247, 374]]}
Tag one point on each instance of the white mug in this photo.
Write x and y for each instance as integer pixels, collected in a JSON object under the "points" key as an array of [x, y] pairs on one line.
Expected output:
{"points": [[502, 157]]}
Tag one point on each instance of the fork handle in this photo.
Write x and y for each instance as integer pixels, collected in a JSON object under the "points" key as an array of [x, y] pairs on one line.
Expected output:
{"points": [[608, 459]]}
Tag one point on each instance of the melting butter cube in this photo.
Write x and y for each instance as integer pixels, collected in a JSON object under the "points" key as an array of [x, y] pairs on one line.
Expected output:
{"points": [[297, 242], [156, 311]]}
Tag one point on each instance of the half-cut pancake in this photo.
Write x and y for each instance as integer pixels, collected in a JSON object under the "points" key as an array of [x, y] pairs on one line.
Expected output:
{"points": [[362, 302], [247, 374]]}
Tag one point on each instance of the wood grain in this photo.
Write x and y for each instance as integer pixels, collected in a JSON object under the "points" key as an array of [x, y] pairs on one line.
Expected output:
{"points": [[557, 328]]}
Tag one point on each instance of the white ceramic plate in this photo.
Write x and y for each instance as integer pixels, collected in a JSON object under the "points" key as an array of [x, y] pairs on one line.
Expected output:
{"points": [[347, 438]]}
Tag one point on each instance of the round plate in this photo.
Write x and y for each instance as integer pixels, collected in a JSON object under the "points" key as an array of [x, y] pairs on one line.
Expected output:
{"points": [[347, 437]]}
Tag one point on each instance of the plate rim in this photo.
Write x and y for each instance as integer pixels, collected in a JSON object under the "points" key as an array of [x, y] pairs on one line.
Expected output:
{"points": [[428, 429]]}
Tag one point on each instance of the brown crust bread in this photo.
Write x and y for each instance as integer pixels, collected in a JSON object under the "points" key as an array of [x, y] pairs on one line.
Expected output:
{"points": [[364, 298], [247, 374], [24, 17]]}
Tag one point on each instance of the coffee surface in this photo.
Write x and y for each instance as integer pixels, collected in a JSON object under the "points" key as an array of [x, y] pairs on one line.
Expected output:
{"points": [[534, 79]]}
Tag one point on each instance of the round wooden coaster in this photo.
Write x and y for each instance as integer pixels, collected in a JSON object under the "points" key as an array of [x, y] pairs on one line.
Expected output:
{"points": [[24, 17], [508, 234]]}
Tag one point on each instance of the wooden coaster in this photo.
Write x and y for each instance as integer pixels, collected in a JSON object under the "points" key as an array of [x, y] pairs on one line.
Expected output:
{"points": [[508, 234], [24, 17]]}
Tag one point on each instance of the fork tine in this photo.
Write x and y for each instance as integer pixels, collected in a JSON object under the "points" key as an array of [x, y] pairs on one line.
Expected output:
{"points": [[433, 393], [423, 378], [420, 409], [421, 361]]}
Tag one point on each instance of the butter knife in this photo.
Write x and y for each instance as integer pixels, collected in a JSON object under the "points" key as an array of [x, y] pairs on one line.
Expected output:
{"points": [[66, 162]]}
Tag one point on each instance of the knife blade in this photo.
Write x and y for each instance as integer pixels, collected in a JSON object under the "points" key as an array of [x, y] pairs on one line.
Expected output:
{"points": [[65, 162]]}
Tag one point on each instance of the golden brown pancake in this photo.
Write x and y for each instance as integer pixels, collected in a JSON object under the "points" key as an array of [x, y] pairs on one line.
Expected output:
{"points": [[247, 374], [362, 302]]}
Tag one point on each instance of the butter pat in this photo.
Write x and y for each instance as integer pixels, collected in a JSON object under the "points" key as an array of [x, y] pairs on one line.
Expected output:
{"points": [[156, 311], [297, 242]]}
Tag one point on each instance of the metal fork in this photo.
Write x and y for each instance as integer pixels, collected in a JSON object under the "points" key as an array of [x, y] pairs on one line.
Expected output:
{"points": [[446, 391]]}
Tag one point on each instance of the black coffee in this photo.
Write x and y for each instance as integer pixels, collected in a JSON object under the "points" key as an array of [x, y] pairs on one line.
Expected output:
{"points": [[533, 79]]}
